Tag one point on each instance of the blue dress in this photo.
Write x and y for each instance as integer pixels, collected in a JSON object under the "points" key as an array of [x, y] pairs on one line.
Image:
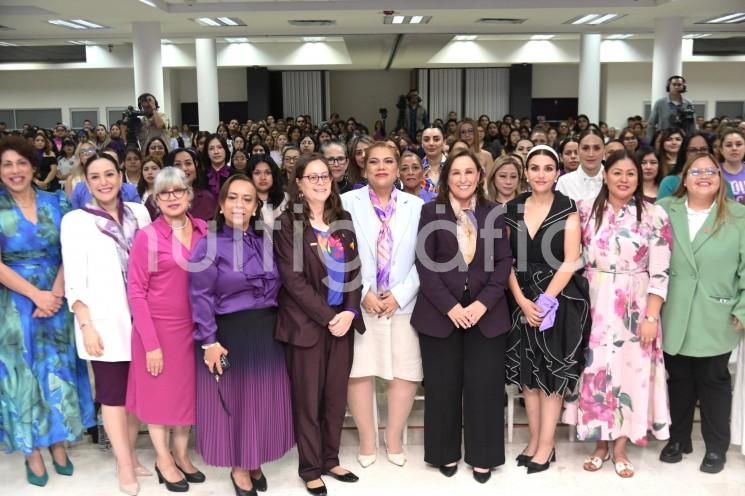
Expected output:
{"points": [[45, 395]]}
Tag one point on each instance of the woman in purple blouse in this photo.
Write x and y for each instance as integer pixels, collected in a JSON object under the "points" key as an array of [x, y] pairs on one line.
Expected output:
{"points": [[244, 413], [204, 204], [215, 162]]}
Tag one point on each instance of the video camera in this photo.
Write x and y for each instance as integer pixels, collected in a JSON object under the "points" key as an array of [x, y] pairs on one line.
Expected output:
{"points": [[686, 114], [131, 117]]}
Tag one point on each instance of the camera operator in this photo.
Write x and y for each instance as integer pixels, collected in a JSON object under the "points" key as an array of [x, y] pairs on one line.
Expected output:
{"points": [[673, 110], [153, 123], [412, 116]]}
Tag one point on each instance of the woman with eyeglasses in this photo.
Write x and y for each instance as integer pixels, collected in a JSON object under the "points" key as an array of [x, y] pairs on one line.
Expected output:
{"points": [[389, 349], [203, 204], [290, 156], [335, 154], [96, 242], [629, 139], [238, 162], [161, 387], [45, 397], [702, 320], [695, 144], [319, 310], [244, 413]]}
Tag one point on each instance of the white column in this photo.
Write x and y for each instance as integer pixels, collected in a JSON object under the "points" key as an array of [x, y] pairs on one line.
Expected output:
{"points": [[207, 97], [148, 67], [589, 76], [667, 59]]}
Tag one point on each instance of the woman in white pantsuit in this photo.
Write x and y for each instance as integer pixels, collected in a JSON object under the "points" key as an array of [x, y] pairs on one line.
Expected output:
{"points": [[385, 221]]}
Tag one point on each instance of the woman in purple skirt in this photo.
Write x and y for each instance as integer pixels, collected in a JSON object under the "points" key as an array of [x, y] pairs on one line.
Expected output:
{"points": [[244, 412]]}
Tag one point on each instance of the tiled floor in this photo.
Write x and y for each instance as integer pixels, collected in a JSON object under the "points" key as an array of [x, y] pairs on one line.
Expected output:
{"points": [[94, 474]]}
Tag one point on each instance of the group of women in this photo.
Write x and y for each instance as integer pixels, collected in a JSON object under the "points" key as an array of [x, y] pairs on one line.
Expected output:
{"points": [[453, 269]]}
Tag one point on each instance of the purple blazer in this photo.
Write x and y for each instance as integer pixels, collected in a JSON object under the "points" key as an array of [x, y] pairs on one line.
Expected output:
{"points": [[487, 276]]}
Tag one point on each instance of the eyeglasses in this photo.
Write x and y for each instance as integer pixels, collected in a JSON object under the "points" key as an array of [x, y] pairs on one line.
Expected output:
{"points": [[176, 194], [336, 160], [87, 151], [709, 171], [290, 159], [703, 149], [317, 178]]}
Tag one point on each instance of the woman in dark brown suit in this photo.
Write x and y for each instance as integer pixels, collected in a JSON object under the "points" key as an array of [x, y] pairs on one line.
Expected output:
{"points": [[319, 305]]}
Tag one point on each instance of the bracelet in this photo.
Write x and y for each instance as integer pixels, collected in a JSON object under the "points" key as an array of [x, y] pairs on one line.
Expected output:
{"points": [[651, 319], [211, 345], [82, 326]]}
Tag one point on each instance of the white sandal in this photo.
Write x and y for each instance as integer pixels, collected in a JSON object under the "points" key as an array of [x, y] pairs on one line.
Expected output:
{"points": [[624, 467], [595, 462]]}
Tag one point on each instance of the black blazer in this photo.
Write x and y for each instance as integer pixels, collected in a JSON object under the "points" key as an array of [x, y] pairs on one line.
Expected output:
{"points": [[487, 275], [304, 313]]}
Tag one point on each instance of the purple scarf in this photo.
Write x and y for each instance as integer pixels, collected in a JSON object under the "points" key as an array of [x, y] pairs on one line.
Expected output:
{"points": [[215, 178], [385, 239], [123, 234]]}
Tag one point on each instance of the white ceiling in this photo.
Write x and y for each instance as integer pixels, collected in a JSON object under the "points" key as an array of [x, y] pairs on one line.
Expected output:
{"points": [[361, 26]]}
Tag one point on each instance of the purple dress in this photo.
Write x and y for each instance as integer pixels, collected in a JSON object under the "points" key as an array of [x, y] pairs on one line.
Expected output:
{"points": [[245, 419]]}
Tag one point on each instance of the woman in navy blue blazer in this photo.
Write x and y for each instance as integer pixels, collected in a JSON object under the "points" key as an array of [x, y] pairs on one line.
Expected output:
{"points": [[461, 315]]}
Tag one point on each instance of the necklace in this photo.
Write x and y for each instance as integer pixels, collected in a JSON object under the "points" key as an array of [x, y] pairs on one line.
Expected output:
{"points": [[179, 228]]}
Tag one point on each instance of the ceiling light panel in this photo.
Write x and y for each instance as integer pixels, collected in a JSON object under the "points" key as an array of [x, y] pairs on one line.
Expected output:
{"points": [[403, 19], [76, 24], [500, 20], [542, 37], [594, 19], [148, 3], [619, 36], [219, 22], [237, 40], [734, 18], [7, 44], [695, 36], [465, 37]]}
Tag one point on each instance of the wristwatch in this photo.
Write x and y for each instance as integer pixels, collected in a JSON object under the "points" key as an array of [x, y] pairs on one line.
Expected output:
{"points": [[651, 319]]}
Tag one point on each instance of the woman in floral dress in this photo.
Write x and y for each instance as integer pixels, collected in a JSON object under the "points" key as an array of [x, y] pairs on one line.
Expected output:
{"points": [[622, 392]]}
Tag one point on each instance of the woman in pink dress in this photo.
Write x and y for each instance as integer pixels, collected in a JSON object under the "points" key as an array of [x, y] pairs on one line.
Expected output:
{"points": [[622, 393], [162, 384]]}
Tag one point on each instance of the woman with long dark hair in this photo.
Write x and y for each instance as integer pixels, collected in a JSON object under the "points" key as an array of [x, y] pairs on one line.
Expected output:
{"points": [[628, 285], [215, 161], [319, 310], [203, 204], [266, 177]]}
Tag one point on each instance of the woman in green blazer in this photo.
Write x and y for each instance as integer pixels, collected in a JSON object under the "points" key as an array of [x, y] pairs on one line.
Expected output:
{"points": [[702, 318]]}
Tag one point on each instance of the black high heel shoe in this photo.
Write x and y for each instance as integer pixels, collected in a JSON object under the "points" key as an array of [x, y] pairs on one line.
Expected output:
{"points": [[448, 471], [534, 468], [260, 484], [239, 491], [175, 487], [522, 459], [481, 477], [194, 477]]}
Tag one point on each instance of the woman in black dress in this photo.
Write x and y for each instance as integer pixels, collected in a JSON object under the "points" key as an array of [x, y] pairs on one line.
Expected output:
{"points": [[549, 303]]}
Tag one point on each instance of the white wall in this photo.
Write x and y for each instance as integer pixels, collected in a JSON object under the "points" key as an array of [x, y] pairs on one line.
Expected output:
{"points": [[231, 84], [362, 93], [65, 89], [628, 87]]}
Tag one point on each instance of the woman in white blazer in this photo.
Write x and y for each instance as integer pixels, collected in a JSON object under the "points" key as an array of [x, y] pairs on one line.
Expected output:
{"points": [[95, 247], [386, 222]]}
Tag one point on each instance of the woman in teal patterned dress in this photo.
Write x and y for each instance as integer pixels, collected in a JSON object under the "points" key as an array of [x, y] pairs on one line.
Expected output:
{"points": [[45, 396]]}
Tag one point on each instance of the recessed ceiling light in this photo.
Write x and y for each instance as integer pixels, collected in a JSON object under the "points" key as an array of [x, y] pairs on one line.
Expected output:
{"points": [[219, 22], [500, 20], [695, 36], [314, 39], [7, 44], [402, 19], [148, 3], [542, 37], [67, 24], [734, 18], [619, 36], [311, 22], [236, 40], [593, 19], [465, 37], [88, 24]]}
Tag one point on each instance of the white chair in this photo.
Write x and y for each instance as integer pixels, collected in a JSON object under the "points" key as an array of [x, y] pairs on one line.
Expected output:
{"points": [[513, 393], [419, 397]]}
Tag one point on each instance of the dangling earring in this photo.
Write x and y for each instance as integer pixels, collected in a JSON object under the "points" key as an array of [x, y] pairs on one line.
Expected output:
{"points": [[300, 196]]}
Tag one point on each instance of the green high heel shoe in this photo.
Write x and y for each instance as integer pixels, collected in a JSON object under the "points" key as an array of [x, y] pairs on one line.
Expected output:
{"points": [[66, 469], [36, 480]]}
